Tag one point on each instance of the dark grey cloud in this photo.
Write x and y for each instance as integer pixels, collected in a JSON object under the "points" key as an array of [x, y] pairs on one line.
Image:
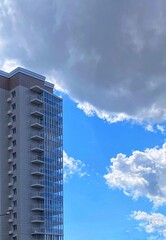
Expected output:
{"points": [[110, 54]]}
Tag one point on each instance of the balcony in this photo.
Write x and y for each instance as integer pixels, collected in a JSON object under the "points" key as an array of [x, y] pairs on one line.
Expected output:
{"points": [[10, 208], [10, 196], [37, 171], [38, 195], [9, 99], [37, 123], [37, 148], [36, 135], [10, 172], [10, 148], [10, 135], [40, 231], [38, 159], [38, 219], [10, 160], [38, 207], [37, 184], [37, 99], [36, 89], [11, 220], [10, 184], [9, 112], [37, 111], [10, 232], [10, 124]]}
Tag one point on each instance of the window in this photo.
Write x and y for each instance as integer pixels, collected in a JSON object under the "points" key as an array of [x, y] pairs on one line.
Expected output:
{"points": [[14, 227], [14, 167], [14, 179], [13, 93], [14, 118], [14, 143], [15, 205], [13, 106], [15, 191], [14, 215], [14, 130], [14, 155]]}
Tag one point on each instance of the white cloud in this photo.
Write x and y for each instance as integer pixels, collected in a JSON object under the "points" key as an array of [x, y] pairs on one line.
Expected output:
{"points": [[149, 128], [111, 118], [72, 167], [154, 223], [141, 174], [161, 128], [9, 65], [107, 54]]}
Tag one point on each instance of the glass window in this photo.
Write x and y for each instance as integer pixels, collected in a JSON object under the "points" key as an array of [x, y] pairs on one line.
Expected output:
{"points": [[15, 191], [14, 143], [14, 155], [13, 93], [14, 227], [14, 106], [14, 179], [14, 118], [14, 130], [14, 167]]}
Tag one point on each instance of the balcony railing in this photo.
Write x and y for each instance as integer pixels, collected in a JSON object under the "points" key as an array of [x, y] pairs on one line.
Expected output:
{"points": [[10, 232], [11, 220], [9, 112], [10, 196], [10, 172], [37, 171], [37, 195], [38, 159], [10, 135], [37, 89], [37, 135], [9, 99], [10, 184], [10, 208], [37, 148], [37, 99], [10, 160], [37, 184], [10, 148], [10, 124], [37, 111], [38, 219], [38, 230], [38, 207], [37, 123]]}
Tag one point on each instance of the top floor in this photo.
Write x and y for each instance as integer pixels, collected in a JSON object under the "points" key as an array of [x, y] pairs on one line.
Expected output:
{"points": [[23, 77]]}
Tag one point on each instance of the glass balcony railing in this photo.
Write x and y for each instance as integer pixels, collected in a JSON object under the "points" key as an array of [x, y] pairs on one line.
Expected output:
{"points": [[36, 99], [37, 148], [37, 111], [37, 123]]}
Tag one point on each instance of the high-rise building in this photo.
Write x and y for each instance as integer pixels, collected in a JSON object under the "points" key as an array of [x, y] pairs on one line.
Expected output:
{"points": [[31, 159]]}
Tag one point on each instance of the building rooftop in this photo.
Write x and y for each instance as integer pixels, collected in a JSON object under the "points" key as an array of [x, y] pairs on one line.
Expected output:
{"points": [[26, 72]]}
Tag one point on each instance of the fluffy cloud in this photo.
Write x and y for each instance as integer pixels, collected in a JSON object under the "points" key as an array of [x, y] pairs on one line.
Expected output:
{"points": [[109, 54], [141, 174], [154, 223], [72, 167]]}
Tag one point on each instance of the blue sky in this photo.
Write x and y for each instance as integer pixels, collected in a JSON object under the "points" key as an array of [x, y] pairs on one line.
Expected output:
{"points": [[107, 60], [92, 209]]}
